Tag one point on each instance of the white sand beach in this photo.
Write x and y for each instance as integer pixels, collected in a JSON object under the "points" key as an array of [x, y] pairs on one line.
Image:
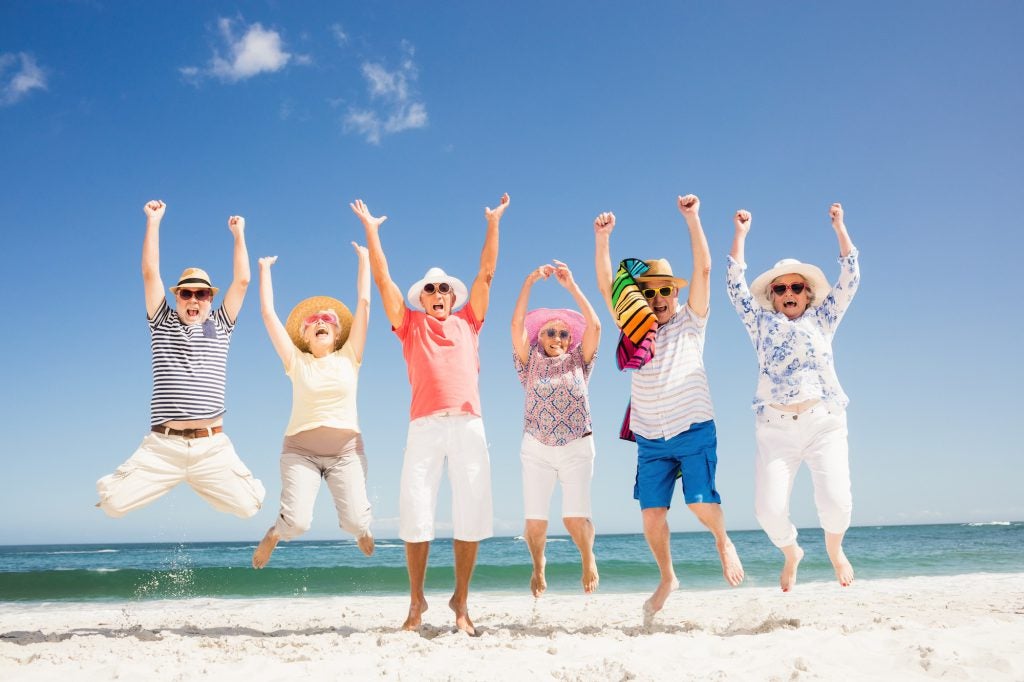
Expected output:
{"points": [[967, 627]]}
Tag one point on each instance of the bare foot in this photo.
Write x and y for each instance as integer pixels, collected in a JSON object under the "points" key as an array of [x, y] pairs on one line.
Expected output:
{"points": [[658, 599], [590, 576], [415, 617], [787, 579], [732, 567], [844, 569], [537, 582], [366, 544], [266, 547], [462, 620]]}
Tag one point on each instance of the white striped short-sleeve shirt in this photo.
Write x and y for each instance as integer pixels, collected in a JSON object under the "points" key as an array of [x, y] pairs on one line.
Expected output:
{"points": [[189, 365], [670, 393]]}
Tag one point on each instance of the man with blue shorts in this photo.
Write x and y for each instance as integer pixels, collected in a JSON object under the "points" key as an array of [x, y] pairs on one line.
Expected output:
{"points": [[670, 416]]}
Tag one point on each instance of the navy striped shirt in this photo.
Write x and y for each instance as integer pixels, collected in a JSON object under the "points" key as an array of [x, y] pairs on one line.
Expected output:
{"points": [[189, 365]]}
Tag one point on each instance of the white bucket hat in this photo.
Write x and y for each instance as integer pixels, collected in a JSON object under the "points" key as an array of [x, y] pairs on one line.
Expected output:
{"points": [[812, 274], [436, 276]]}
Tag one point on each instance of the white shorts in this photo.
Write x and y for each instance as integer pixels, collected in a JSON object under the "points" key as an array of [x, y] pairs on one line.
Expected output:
{"points": [[460, 439], [210, 465], [571, 464]]}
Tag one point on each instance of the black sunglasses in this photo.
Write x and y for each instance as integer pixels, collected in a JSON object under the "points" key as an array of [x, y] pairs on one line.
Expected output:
{"points": [[200, 294], [442, 288], [664, 291], [560, 333], [796, 287]]}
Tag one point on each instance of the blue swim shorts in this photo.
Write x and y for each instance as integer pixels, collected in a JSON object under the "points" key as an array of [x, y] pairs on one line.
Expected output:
{"points": [[693, 454]]}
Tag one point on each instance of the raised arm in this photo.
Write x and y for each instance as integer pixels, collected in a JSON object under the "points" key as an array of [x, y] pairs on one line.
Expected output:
{"points": [[700, 283], [480, 292], [278, 334], [520, 342], [833, 308], [361, 318], [736, 280], [741, 221], [603, 226], [845, 244], [592, 332], [240, 281], [152, 284], [390, 295]]}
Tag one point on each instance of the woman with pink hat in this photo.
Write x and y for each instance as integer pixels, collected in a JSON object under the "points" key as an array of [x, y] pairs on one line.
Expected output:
{"points": [[321, 346], [554, 355], [791, 315]]}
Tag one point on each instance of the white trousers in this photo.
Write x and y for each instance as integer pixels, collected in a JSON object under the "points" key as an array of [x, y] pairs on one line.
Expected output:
{"points": [[785, 440], [300, 482]]}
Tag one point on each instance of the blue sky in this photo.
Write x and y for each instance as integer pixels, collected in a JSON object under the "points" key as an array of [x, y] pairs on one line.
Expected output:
{"points": [[908, 113]]}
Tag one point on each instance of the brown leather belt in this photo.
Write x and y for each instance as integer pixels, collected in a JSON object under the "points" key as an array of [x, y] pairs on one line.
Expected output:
{"points": [[203, 432]]}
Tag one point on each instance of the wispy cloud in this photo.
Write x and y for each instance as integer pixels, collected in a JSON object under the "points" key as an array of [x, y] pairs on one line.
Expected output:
{"points": [[246, 53], [19, 75], [338, 31], [396, 105]]}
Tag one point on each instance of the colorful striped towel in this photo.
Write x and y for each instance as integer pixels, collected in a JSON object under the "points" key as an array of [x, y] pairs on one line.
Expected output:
{"points": [[637, 325]]}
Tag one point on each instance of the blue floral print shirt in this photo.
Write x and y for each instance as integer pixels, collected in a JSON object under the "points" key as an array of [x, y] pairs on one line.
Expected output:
{"points": [[794, 357]]}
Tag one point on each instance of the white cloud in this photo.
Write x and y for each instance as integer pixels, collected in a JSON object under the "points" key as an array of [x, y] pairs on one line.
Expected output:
{"points": [[394, 94], [26, 77], [257, 51], [339, 34]]}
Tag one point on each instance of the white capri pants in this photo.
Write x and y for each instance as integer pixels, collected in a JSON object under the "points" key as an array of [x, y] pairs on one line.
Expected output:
{"points": [[300, 482], [460, 439], [571, 464], [784, 441], [210, 465]]}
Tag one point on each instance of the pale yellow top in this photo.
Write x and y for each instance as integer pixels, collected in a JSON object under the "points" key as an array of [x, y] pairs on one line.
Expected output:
{"points": [[323, 390]]}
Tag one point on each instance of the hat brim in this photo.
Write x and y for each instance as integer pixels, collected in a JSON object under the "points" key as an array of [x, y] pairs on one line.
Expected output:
{"points": [[677, 282], [537, 319], [314, 304], [812, 274], [461, 292]]}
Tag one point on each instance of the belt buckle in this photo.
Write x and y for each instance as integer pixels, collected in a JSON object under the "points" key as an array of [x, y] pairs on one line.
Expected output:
{"points": [[188, 433]]}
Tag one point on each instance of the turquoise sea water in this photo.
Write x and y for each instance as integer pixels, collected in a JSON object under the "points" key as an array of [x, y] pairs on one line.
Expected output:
{"points": [[300, 568]]}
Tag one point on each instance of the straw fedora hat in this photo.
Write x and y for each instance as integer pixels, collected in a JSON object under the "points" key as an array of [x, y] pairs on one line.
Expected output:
{"points": [[812, 274], [437, 275], [661, 269], [193, 278], [314, 304], [536, 319]]}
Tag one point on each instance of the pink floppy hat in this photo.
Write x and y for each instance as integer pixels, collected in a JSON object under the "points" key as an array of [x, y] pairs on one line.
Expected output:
{"points": [[536, 319]]}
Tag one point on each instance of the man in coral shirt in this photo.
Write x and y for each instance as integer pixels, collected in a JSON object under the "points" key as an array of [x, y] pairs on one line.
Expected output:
{"points": [[441, 349]]}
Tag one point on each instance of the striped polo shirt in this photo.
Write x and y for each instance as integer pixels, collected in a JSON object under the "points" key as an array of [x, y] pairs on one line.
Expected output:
{"points": [[189, 365], [670, 393]]}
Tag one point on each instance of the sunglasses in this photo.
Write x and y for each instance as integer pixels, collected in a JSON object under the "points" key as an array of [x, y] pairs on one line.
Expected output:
{"points": [[442, 288], [200, 294], [664, 291], [329, 318], [552, 333], [796, 287]]}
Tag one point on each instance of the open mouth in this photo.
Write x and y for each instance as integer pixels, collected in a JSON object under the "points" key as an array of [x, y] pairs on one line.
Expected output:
{"points": [[789, 305], [321, 332], [192, 312], [659, 309]]}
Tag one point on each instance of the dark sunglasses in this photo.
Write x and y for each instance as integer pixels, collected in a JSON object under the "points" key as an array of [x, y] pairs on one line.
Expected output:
{"points": [[560, 333], [664, 291], [442, 288], [796, 287], [200, 294]]}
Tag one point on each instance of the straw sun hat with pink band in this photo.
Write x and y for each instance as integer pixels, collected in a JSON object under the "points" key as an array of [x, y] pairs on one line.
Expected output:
{"points": [[537, 319]]}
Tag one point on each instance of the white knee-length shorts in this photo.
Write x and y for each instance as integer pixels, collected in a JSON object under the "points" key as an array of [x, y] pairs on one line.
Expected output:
{"points": [[571, 464]]}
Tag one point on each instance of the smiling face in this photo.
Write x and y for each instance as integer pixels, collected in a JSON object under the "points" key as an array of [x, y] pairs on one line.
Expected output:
{"points": [[320, 333], [785, 301], [554, 338], [437, 304], [190, 307], [664, 306]]}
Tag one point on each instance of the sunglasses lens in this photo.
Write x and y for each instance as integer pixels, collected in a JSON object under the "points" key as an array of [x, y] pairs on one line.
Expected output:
{"points": [[443, 287], [564, 335], [650, 293], [428, 288], [779, 289], [665, 291], [797, 287]]}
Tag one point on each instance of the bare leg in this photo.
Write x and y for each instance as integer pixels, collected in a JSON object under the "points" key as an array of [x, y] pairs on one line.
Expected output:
{"points": [[266, 547], [834, 546], [710, 514], [465, 561], [582, 532], [793, 554], [416, 554], [657, 534], [536, 538]]}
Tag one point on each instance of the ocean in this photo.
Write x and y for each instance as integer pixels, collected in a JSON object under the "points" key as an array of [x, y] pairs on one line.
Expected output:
{"points": [[108, 572]]}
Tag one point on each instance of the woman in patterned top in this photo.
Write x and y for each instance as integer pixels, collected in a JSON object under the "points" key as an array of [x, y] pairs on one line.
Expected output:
{"points": [[554, 354], [791, 315]]}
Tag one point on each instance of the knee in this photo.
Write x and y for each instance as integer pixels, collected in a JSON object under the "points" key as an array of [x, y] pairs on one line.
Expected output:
{"points": [[655, 517]]}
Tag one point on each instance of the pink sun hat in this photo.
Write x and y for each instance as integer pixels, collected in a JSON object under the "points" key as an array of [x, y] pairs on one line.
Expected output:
{"points": [[536, 319]]}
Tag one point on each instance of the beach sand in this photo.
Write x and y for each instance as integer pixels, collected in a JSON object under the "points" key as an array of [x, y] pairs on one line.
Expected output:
{"points": [[966, 627]]}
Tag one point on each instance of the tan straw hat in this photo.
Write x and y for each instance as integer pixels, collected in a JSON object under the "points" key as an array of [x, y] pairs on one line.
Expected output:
{"points": [[661, 269], [315, 304], [193, 278]]}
